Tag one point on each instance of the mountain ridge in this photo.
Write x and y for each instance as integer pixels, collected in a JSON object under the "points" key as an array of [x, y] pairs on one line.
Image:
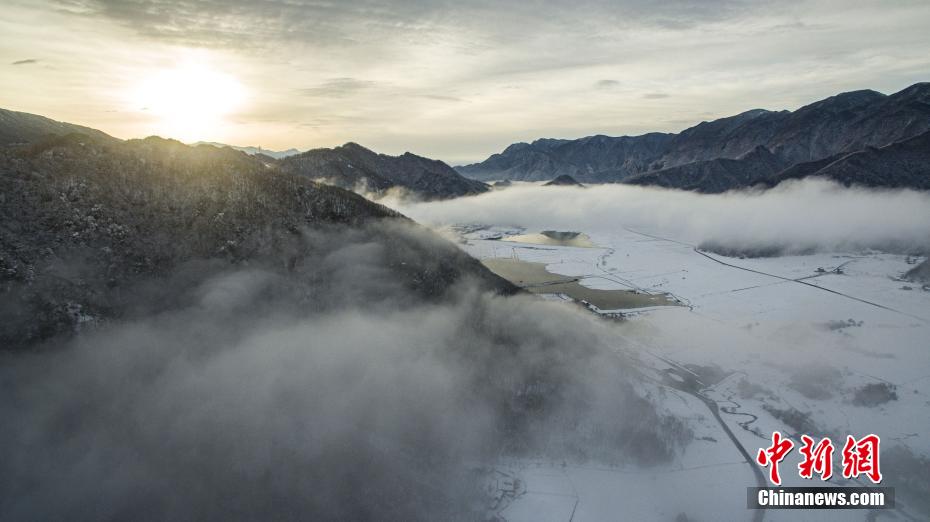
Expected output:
{"points": [[355, 167], [843, 123], [252, 151], [349, 166], [23, 127], [87, 220], [715, 175], [901, 164]]}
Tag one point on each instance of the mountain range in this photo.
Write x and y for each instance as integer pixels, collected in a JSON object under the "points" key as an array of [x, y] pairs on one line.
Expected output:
{"points": [[840, 137], [354, 167], [349, 166], [91, 227], [563, 181], [22, 127], [855, 138], [252, 151]]}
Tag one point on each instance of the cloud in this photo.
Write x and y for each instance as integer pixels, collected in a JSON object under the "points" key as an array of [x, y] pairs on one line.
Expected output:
{"points": [[604, 84], [244, 23], [27, 61], [794, 217], [338, 87], [322, 391], [440, 97], [655, 95]]}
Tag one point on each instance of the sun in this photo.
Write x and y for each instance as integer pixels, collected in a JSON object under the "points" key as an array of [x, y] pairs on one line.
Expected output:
{"points": [[190, 102]]}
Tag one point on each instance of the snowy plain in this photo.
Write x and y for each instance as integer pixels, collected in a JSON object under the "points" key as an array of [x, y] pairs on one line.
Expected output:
{"points": [[769, 331], [792, 342]]}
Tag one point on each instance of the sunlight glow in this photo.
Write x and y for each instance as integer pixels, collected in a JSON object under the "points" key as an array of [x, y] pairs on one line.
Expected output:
{"points": [[190, 102]]}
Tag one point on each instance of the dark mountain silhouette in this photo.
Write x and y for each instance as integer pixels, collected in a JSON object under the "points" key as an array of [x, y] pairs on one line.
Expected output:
{"points": [[563, 181], [727, 138], [350, 166], [88, 222], [22, 127], [902, 164], [593, 159], [716, 175], [355, 167], [694, 159], [252, 151]]}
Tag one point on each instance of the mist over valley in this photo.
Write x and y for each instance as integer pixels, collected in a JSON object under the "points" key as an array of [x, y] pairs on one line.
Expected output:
{"points": [[384, 261]]}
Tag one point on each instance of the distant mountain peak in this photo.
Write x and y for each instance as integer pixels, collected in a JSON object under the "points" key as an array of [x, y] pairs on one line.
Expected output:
{"points": [[351, 145], [753, 113], [22, 127], [353, 166], [919, 91], [564, 180], [726, 152], [845, 100], [250, 150], [547, 143], [520, 146]]}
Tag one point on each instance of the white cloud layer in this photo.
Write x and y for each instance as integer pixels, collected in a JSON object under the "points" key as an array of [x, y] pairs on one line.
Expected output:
{"points": [[796, 216]]}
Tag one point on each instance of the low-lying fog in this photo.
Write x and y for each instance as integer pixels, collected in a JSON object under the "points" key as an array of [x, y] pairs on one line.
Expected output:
{"points": [[326, 391], [793, 217]]}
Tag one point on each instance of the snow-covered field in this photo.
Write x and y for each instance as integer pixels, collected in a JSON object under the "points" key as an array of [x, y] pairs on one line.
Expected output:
{"points": [[790, 334], [827, 344]]}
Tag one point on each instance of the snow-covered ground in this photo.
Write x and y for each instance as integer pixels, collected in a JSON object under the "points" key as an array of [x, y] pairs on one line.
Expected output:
{"points": [[795, 341]]}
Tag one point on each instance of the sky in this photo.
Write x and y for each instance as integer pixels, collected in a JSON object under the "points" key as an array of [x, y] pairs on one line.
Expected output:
{"points": [[456, 81]]}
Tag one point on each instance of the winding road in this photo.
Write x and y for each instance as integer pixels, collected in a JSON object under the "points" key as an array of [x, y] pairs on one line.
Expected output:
{"points": [[688, 383]]}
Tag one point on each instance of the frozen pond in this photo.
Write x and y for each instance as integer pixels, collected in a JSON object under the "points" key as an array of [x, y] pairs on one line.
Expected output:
{"points": [[554, 238], [535, 278]]}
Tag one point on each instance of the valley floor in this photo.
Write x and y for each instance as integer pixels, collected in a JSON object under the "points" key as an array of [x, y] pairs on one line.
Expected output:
{"points": [[787, 343]]}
